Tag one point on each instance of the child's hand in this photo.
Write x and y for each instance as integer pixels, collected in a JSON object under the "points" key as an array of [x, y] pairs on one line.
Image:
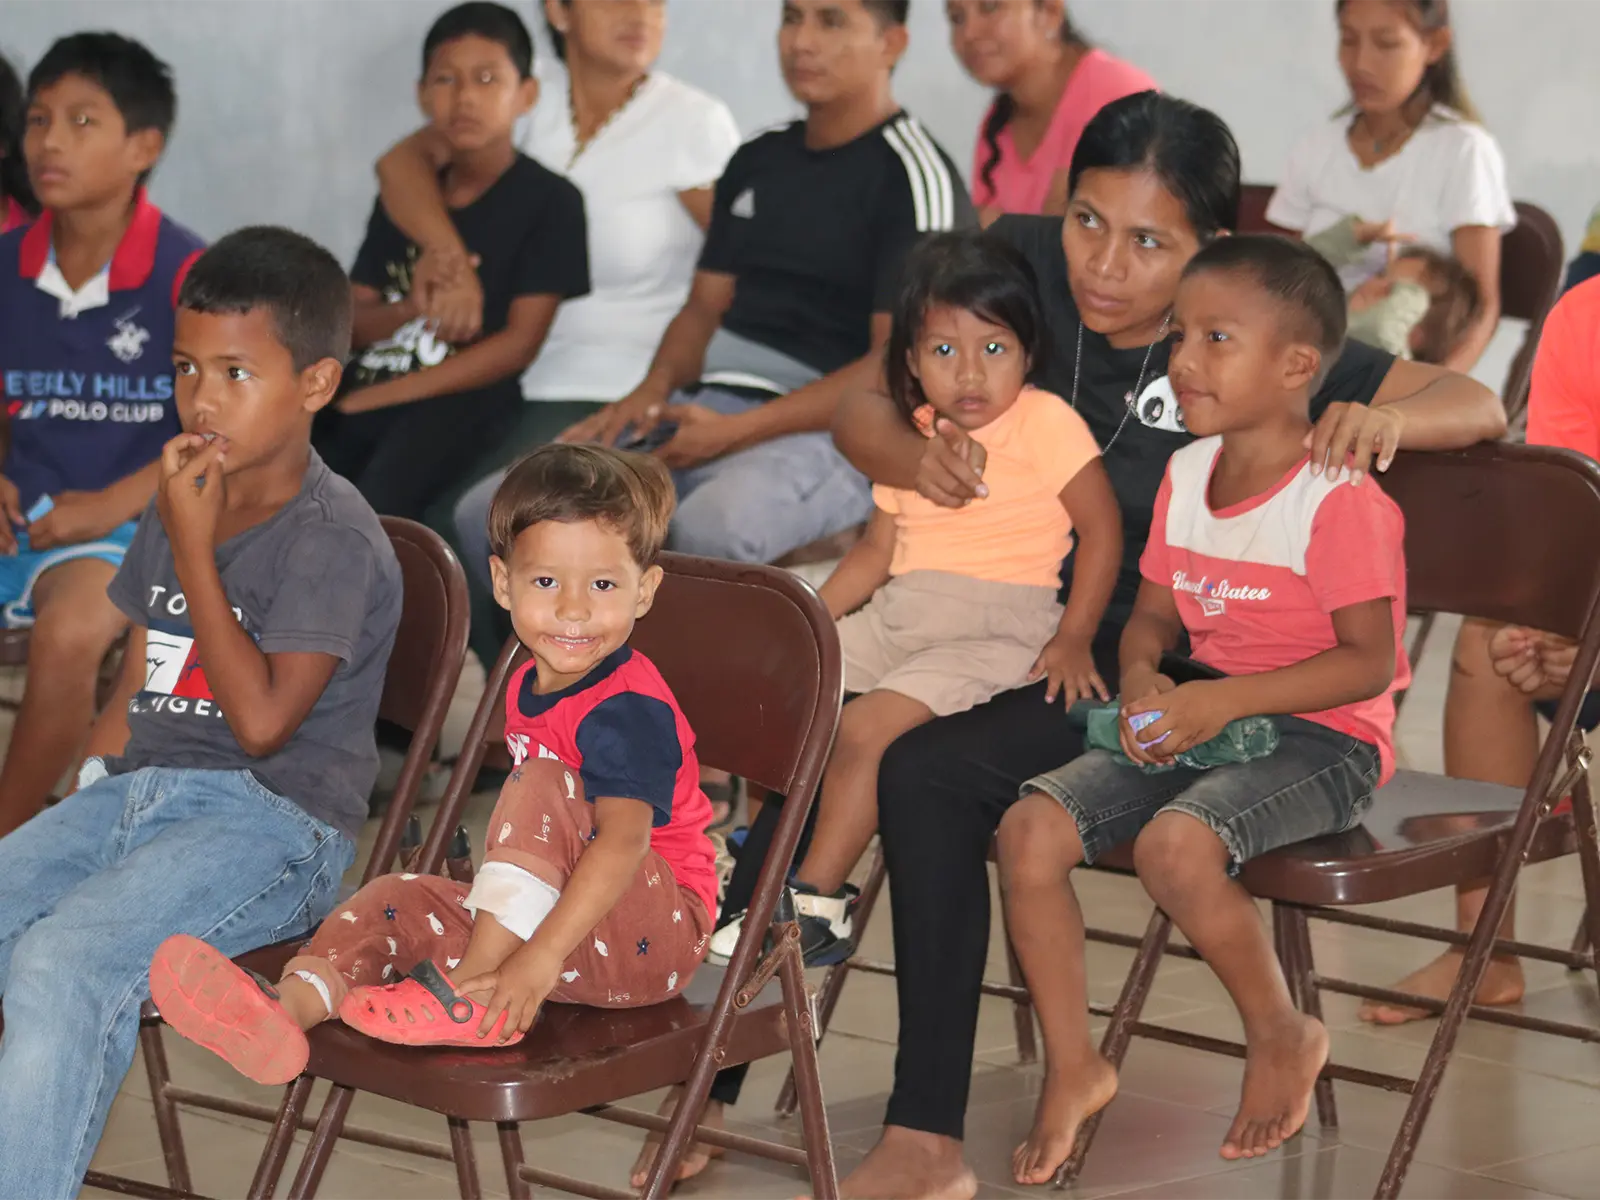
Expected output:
{"points": [[1556, 657], [519, 988], [74, 517], [1067, 662], [11, 512], [1515, 653], [189, 499], [1190, 714], [446, 290]]}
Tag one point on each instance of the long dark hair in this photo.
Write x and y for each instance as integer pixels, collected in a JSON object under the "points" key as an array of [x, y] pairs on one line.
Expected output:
{"points": [[13, 170], [558, 40], [1189, 148], [1441, 82], [1004, 107], [973, 271]]}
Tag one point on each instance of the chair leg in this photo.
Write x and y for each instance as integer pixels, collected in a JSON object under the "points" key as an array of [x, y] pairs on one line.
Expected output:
{"points": [[276, 1152], [833, 982], [329, 1126], [1583, 819], [168, 1129], [1580, 937], [1021, 1011], [466, 1159], [511, 1151], [1299, 968], [1114, 1045], [808, 1081]]}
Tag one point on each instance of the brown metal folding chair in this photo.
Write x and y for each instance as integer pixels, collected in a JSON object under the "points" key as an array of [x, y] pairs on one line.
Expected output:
{"points": [[1517, 563], [752, 656], [424, 667]]}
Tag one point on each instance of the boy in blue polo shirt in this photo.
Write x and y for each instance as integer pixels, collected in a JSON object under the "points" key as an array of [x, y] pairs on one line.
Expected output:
{"points": [[88, 292]]}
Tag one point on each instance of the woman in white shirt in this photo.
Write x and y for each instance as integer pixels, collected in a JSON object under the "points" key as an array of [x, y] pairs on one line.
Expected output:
{"points": [[1408, 155], [644, 149]]}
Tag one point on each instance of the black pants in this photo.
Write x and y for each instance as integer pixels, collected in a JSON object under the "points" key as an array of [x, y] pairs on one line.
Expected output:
{"points": [[404, 458], [942, 790]]}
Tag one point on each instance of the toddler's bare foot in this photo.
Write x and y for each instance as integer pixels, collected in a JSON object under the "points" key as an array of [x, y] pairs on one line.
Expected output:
{"points": [[1502, 984], [908, 1164], [1280, 1069], [695, 1160], [1070, 1097]]}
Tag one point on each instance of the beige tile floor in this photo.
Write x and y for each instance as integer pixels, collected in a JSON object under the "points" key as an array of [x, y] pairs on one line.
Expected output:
{"points": [[1518, 1115]]}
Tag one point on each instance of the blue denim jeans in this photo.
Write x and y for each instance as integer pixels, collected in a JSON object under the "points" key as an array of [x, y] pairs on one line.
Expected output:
{"points": [[754, 505], [1318, 781], [88, 890]]}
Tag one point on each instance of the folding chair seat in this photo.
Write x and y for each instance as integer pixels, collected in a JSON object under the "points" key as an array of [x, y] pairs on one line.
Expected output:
{"points": [[752, 657], [423, 670], [1531, 555]]}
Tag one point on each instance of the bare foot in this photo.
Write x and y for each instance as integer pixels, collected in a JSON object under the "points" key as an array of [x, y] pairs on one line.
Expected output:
{"points": [[695, 1159], [1280, 1069], [1068, 1100], [908, 1164], [1501, 984]]}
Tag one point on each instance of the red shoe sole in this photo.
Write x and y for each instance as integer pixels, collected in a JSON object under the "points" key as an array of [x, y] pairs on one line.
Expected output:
{"points": [[206, 998]]}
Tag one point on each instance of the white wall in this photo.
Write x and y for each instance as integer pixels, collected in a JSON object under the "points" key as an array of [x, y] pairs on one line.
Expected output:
{"points": [[285, 103]]}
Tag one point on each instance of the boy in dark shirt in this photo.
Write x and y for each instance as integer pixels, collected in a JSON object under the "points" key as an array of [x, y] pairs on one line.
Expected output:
{"points": [[421, 410], [87, 293], [230, 777]]}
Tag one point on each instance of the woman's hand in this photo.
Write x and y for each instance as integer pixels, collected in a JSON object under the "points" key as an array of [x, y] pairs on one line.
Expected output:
{"points": [[639, 412], [951, 471], [1356, 438], [1068, 663]]}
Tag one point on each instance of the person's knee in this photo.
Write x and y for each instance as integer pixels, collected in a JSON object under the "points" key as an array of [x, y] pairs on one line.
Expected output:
{"points": [[1176, 852], [76, 627], [1038, 843], [715, 525]]}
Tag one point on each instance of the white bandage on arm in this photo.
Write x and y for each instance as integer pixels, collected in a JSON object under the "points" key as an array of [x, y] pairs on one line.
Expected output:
{"points": [[316, 981], [518, 899]]}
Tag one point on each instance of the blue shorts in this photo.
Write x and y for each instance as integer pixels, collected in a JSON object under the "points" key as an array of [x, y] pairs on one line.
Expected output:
{"points": [[20, 571], [1318, 781]]}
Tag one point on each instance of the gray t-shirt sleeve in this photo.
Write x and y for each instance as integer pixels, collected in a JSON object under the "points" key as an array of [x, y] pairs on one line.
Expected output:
{"points": [[129, 586], [326, 576]]}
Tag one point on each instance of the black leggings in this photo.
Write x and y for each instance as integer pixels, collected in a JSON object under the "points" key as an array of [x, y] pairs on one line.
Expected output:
{"points": [[942, 790]]}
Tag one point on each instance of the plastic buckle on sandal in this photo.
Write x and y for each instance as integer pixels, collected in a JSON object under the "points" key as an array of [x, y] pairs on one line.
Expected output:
{"points": [[266, 985], [430, 977]]}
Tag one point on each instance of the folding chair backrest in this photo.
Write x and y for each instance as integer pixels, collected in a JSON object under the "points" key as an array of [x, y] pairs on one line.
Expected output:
{"points": [[1503, 532], [424, 666], [1253, 199], [1531, 262]]}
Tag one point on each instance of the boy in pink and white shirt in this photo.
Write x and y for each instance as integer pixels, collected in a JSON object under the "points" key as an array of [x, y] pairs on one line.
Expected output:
{"points": [[1292, 587]]}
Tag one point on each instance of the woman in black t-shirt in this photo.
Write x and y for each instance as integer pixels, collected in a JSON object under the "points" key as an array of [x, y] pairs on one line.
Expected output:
{"points": [[1153, 178]]}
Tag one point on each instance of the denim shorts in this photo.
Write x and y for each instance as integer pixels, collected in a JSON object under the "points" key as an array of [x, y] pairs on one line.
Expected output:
{"points": [[1318, 781]]}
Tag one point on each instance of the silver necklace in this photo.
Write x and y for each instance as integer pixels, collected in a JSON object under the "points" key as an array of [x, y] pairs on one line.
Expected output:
{"points": [[1129, 399]]}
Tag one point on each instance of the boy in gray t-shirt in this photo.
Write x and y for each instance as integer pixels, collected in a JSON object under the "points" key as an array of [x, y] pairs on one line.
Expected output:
{"points": [[228, 780]]}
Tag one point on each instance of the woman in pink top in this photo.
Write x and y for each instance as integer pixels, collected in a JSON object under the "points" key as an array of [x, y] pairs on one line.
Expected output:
{"points": [[1050, 83], [17, 205]]}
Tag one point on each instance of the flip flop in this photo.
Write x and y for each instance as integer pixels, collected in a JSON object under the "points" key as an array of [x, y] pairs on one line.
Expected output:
{"points": [[421, 1010], [208, 998]]}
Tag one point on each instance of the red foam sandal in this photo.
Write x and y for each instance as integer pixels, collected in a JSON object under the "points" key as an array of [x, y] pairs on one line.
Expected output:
{"points": [[421, 1010], [208, 998]]}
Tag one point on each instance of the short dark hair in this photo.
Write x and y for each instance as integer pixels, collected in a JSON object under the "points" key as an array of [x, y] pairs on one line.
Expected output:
{"points": [[479, 18], [629, 493], [297, 281], [1455, 304], [974, 271], [1311, 298], [1189, 148], [888, 12], [138, 82]]}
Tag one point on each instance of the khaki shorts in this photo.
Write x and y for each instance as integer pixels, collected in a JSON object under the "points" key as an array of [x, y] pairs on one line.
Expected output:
{"points": [[947, 640]]}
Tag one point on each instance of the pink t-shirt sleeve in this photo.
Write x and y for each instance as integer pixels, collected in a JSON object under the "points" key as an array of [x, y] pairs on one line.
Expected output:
{"points": [[1356, 548], [1154, 563]]}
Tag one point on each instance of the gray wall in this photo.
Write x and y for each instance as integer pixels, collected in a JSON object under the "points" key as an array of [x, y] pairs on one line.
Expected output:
{"points": [[285, 103]]}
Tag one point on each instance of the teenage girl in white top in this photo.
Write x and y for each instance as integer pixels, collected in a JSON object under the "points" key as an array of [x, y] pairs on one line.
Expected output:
{"points": [[1408, 157]]}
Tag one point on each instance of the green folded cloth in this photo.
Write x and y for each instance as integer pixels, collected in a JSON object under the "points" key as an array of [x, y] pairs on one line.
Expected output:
{"points": [[1240, 741]]}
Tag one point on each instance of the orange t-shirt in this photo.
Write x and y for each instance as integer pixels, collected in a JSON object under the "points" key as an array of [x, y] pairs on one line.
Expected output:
{"points": [[1021, 532], [1564, 396]]}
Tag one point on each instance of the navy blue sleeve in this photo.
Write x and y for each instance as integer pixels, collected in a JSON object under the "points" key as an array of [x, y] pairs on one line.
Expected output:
{"points": [[630, 748]]}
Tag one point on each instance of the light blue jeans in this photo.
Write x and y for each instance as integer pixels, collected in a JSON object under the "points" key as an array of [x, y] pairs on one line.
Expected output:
{"points": [[752, 506], [88, 890]]}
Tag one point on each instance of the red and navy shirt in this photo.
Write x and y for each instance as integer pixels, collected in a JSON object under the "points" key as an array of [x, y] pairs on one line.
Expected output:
{"points": [[621, 730], [87, 387]]}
